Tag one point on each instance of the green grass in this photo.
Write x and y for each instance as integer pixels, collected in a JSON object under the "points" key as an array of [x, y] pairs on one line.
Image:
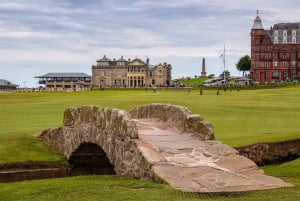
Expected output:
{"points": [[239, 118], [114, 188]]}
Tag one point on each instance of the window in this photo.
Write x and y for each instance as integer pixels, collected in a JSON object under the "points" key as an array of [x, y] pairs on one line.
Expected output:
{"points": [[103, 64], [275, 40], [284, 64], [284, 33], [294, 39], [275, 64], [275, 56], [266, 75], [256, 56], [294, 33], [266, 64], [266, 56], [294, 64], [284, 40], [266, 48], [293, 55], [283, 56], [256, 48], [275, 33], [285, 74], [284, 47], [275, 75], [257, 42]]}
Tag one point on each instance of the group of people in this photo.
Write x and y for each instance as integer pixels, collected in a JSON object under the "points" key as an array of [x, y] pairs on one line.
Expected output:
{"points": [[218, 90]]}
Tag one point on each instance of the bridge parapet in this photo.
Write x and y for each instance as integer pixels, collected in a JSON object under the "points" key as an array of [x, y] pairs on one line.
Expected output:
{"points": [[179, 116]]}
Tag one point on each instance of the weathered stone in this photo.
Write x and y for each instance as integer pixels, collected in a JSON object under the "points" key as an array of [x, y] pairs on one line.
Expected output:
{"points": [[159, 142], [179, 116], [271, 153]]}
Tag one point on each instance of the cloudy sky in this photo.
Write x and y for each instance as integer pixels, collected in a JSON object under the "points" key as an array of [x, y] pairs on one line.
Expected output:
{"points": [[41, 36]]}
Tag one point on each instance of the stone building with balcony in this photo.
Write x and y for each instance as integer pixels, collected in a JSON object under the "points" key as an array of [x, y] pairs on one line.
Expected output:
{"points": [[275, 52], [65, 81], [129, 73]]}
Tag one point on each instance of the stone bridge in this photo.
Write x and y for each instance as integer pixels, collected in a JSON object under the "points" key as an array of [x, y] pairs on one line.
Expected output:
{"points": [[162, 142]]}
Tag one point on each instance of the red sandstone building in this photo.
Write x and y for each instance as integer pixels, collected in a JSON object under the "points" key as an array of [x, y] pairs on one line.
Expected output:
{"points": [[275, 52]]}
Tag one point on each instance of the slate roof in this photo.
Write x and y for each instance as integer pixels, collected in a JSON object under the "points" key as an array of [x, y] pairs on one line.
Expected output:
{"points": [[122, 59], [104, 59], [7, 83], [51, 75]]}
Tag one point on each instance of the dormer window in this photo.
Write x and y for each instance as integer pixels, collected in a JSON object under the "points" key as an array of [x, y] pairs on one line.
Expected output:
{"points": [[294, 33], [294, 39], [275, 33], [275, 40], [284, 33], [284, 40]]}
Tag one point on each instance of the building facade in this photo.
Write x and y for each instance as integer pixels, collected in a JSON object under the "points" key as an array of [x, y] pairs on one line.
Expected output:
{"points": [[129, 73], [7, 85], [275, 52], [65, 81]]}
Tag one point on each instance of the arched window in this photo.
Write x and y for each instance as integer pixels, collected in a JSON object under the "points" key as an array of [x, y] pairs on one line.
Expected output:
{"points": [[294, 39], [294, 33], [275, 40], [284, 40], [284, 33], [275, 33]]}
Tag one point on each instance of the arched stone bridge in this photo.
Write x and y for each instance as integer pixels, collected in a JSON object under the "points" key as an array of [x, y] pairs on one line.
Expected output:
{"points": [[162, 142]]}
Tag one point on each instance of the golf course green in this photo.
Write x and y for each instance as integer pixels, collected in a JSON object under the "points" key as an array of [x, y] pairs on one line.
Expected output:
{"points": [[239, 118]]}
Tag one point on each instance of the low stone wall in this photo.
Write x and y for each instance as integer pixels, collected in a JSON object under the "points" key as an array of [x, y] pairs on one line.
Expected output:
{"points": [[179, 116], [271, 153]]}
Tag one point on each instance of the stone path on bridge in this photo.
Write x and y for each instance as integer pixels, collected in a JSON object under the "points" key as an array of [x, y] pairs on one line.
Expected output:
{"points": [[191, 165]]}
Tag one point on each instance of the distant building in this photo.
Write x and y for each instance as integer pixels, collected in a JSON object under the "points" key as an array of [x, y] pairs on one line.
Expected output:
{"points": [[64, 81], [7, 85], [275, 52], [203, 72], [129, 73]]}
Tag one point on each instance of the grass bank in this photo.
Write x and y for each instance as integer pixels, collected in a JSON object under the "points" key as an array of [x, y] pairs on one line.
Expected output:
{"points": [[113, 188]]}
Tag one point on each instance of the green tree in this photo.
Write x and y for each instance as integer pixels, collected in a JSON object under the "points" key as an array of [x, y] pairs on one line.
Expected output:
{"points": [[244, 64], [227, 74]]}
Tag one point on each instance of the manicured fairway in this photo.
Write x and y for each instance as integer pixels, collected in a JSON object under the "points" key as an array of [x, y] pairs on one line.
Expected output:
{"points": [[239, 118]]}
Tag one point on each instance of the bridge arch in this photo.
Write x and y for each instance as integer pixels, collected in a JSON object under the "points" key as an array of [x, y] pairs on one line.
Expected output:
{"points": [[90, 158]]}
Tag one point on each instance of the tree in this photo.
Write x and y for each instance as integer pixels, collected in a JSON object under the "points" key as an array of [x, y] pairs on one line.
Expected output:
{"points": [[211, 76], [244, 64], [227, 74]]}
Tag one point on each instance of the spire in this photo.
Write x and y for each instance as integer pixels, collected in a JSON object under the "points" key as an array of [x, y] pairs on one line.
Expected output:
{"points": [[203, 72], [257, 22]]}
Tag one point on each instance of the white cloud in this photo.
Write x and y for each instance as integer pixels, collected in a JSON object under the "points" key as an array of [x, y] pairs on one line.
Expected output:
{"points": [[55, 33]]}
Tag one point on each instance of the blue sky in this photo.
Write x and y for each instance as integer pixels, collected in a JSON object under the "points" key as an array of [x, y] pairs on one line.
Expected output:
{"points": [[41, 36]]}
